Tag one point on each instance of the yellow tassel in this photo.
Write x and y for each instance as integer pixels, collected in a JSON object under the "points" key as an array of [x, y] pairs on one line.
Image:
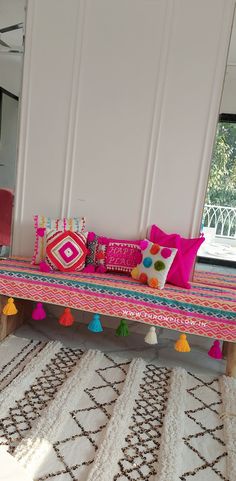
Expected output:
{"points": [[182, 344], [10, 308]]}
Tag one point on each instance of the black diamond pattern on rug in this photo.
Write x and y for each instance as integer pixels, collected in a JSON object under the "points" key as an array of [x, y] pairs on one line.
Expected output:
{"points": [[89, 422], [20, 418], [204, 448], [140, 452]]}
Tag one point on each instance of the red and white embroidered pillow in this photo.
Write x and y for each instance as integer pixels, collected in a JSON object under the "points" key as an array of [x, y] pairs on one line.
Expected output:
{"points": [[66, 251]]}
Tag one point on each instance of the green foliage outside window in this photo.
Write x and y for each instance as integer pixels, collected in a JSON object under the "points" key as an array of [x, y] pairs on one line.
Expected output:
{"points": [[222, 179]]}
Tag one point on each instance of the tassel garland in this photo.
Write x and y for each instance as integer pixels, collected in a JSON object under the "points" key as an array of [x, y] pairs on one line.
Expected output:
{"points": [[182, 344], [215, 350], [38, 313], [122, 330], [151, 336], [95, 324], [66, 319], [10, 308]]}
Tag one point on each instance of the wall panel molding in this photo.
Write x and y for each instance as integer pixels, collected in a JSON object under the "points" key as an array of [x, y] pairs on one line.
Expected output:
{"points": [[74, 107], [152, 156]]}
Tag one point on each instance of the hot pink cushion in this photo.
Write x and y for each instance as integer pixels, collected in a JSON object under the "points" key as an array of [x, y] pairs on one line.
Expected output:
{"points": [[122, 256], [181, 269]]}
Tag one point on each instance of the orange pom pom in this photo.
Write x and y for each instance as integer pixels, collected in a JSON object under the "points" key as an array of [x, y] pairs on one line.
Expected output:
{"points": [[154, 249], [153, 282]]}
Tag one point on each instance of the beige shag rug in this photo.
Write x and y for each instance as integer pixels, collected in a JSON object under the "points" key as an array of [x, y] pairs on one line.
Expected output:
{"points": [[69, 415]]}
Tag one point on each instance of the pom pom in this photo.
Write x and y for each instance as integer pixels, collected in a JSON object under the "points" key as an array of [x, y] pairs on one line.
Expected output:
{"points": [[38, 313], [143, 244], [166, 252], [135, 273], [41, 231], [44, 267], [154, 249], [151, 336], [66, 319], [182, 344], [89, 268], [153, 282], [215, 350], [10, 308], [91, 236], [95, 324], [143, 278], [122, 330], [101, 269]]}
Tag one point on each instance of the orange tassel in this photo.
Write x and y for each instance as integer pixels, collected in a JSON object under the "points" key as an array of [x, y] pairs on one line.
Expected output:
{"points": [[182, 344], [66, 318], [10, 308]]}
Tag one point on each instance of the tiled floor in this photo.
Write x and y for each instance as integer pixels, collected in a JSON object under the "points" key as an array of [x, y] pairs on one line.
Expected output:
{"points": [[132, 346]]}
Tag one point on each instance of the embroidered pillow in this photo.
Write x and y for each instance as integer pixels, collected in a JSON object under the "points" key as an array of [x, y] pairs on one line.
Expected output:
{"points": [[155, 264], [182, 266], [92, 242], [66, 251], [122, 256], [115, 255], [95, 259], [42, 224]]}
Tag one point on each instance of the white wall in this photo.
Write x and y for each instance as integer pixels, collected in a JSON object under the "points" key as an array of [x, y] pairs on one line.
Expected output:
{"points": [[8, 142], [120, 101]]}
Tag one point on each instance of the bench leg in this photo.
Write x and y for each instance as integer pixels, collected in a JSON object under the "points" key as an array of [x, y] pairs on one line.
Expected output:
{"points": [[9, 324], [224, 349], [231, 359]]}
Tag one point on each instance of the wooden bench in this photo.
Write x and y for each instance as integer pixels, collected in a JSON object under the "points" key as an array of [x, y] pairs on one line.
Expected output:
{"points": [[207, 309]]}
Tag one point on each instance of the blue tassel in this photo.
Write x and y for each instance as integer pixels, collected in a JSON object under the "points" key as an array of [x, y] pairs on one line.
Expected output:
{"points": [[95, 324]]}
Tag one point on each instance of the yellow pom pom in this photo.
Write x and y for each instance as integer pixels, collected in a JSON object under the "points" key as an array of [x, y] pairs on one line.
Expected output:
{"points": [[135, 273], [182, 344], [10, 308]]}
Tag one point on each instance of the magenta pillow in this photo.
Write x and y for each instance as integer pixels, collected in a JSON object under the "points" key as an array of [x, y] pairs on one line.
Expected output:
{"points": [[122, 256], [181, 269]]}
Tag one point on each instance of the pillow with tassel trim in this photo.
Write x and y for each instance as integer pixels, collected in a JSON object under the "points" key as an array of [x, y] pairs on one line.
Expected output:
{"points": [[43, 223]]}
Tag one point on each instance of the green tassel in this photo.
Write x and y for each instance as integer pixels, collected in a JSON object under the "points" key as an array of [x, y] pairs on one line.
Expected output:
{"points": [[122, 329]]}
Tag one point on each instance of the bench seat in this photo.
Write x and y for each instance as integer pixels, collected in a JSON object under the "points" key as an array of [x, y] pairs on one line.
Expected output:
{"points": [[207, 309]]}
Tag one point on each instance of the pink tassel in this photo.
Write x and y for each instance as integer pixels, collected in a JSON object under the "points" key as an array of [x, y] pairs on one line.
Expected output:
{"points": [[101, 269], [91, 236], [41, 231], [215, 350], [89, 268], [143, 244], [38, 313], [44, 267]]}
